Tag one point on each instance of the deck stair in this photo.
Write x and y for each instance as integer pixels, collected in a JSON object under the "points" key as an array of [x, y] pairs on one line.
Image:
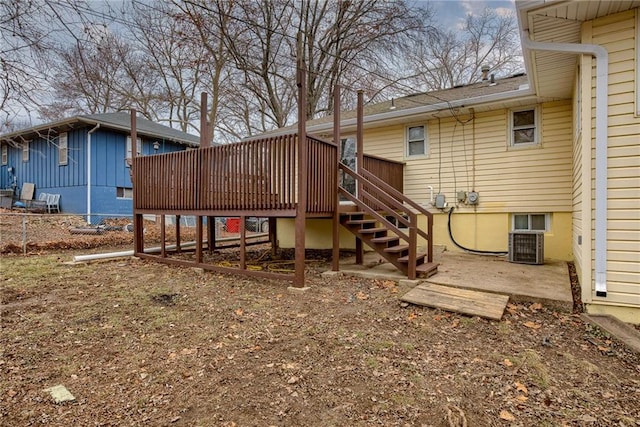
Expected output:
{"points": [[387, 221], [383, 241]]}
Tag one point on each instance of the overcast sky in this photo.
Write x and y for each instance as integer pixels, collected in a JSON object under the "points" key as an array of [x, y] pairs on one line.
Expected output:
{"points": [[453, 12]]}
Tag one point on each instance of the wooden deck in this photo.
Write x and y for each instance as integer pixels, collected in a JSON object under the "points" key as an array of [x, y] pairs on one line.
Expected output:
{"points": [[275, 177]]}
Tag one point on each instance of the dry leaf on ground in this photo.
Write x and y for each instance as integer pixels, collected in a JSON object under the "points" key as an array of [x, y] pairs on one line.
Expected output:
{"points": [[506, 415]]}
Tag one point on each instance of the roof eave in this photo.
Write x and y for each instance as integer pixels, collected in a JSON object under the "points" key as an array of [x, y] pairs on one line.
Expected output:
{"points": [[443, 106]]}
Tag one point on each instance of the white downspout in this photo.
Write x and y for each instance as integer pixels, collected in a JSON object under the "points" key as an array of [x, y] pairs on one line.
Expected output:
{"points": [[97, 126], [602, 114]]}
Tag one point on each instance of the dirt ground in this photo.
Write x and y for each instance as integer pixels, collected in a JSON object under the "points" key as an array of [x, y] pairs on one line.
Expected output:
{"points": [[138, 343]]}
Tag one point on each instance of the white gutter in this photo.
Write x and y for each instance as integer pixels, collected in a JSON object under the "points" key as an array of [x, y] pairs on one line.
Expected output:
{"points": [[97, 126], [602, 114]]}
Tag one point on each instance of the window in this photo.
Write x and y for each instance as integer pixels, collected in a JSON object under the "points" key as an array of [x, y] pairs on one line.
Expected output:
{"points": [[416, 141], [25, 151], [124, 193], [530, 222], [138, 147], [5, 155], [524, 129], [62, 149]]}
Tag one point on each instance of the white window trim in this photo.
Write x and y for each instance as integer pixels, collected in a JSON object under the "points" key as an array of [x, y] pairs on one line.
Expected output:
{"points": [[536, 132], [63, 149], [138, 147], [425, 141], [547, 221], [25, 151], [5, 155]]}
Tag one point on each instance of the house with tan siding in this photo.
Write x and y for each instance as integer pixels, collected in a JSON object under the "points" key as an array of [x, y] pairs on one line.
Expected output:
{"points": [[555, 151]]}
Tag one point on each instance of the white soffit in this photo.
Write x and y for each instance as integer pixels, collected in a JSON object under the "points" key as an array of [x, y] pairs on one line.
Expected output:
{"points": [[560, 22]]}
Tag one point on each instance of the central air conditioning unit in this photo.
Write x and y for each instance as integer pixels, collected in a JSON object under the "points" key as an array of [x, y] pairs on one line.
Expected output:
{"points": [[526, 247]]}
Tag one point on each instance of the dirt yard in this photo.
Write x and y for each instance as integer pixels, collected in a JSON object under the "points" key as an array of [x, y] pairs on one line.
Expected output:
{"points": [[142, 344]]}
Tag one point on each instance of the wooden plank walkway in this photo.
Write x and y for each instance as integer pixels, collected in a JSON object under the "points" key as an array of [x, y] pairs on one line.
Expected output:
{"points": [[465, 301]]}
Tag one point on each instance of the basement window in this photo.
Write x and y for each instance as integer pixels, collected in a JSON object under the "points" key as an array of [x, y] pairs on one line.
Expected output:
{"points": [[530, 222], [62, 149], [416, 141], [124, 193], [523, 127]]}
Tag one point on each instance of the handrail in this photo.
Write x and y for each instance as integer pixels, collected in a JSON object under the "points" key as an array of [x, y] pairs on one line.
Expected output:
{"points": [[398, 195], [411, 239]]}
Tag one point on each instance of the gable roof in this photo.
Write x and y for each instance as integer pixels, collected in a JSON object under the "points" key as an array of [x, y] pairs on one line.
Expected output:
{"points": [[120, 121], [511, 91]]}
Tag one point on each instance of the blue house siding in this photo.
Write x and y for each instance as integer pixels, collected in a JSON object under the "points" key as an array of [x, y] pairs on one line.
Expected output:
{"points": [[109, 173], [43, 168]]}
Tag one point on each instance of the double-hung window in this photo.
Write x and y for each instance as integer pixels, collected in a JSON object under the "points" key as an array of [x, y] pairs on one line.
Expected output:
{"points": [[138, 147], [524, 127], [63, 152], [25, 151], [416, 141], [5, 154]]}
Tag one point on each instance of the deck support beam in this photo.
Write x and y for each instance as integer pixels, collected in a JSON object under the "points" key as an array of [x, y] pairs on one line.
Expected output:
{"points": [[198, 239], [359, 161], [243, 243], [163, 236], [335, 254], [178, 246], [301, 208]]}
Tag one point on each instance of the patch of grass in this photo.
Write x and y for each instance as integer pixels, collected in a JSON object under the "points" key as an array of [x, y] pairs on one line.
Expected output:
{"points": [[538, 372]]}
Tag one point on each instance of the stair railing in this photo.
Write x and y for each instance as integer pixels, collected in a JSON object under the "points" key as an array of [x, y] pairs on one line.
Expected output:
{"points": [[391, 205]]}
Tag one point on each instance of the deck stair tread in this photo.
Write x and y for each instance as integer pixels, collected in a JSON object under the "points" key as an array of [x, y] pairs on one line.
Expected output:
{"points": [[384, 239], [465, 301], [361, 221], [397, 248], [406, 257], [372, 230], [427, 269]]}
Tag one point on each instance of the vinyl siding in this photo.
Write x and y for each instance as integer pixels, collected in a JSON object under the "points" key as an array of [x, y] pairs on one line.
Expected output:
{"points": [[617, 33], [463, 155]]}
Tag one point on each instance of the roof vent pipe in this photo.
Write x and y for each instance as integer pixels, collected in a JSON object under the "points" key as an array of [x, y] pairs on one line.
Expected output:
{"points": [[485, 72], [601, 114]]}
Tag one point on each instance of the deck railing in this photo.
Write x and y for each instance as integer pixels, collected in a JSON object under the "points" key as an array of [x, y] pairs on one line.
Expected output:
{"points": [[389, 171], [256, 175]]}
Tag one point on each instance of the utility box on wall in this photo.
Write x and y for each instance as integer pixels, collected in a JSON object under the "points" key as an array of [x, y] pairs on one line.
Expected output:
{"points": [[526, 247]]}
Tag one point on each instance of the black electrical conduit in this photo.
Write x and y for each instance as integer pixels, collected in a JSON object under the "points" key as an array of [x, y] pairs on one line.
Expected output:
{"points": [[474, 251]]}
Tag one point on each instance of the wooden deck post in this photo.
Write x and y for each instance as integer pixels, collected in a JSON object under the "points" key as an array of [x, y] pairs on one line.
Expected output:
{"points": [[359, 160], [163, 237], [335, 255], [198, 239], [178, 243], [301, 208], [243, 243], [138, 235]]}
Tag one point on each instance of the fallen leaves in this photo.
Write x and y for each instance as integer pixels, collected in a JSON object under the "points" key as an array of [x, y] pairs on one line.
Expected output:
{"points": [[508, 363], [506, 415], [532, 325]]}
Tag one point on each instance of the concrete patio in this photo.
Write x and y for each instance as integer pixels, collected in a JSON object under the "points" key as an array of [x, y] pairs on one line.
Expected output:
{"points": [[548, 283]]}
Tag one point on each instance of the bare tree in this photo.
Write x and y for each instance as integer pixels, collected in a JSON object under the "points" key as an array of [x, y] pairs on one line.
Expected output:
{"points": [[451, 58]]}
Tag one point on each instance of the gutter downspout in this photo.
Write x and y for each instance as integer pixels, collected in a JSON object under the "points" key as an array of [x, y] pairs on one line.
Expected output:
{"points": [[97, 126], [602, 114]]}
